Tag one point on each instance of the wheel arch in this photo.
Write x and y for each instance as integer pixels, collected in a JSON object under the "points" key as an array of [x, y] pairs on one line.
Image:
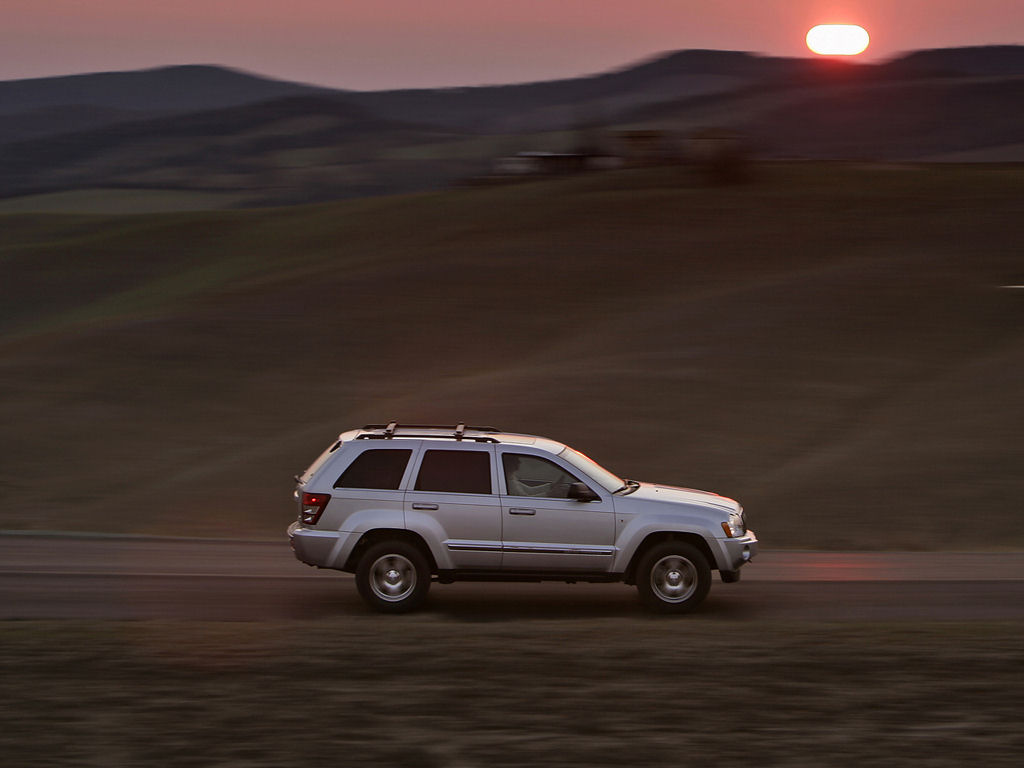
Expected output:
{"points": [[377, 535], [659, 537]]}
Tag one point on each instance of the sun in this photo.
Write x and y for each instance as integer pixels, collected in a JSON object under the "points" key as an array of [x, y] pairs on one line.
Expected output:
{"points": [[837, 39]]}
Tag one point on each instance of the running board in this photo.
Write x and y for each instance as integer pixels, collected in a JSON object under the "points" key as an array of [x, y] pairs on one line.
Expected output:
{"points": [[569, 577]]}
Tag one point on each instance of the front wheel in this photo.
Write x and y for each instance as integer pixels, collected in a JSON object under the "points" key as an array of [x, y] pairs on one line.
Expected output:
{"points": [[393, 576], [673, 577]]}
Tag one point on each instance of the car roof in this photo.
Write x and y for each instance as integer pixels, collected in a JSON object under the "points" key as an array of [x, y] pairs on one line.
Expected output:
{"points": [[456, 433]]}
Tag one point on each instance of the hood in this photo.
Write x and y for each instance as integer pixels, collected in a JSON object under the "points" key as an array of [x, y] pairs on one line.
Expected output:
{"points": [[669, 493]]}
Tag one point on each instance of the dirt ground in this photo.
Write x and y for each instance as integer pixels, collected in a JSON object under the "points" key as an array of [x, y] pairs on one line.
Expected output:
{"points": [[430, 691]]}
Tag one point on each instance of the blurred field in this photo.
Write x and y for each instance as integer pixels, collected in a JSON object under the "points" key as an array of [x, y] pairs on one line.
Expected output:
{"points": [[829, 343], [120, 201], [419, 691]]}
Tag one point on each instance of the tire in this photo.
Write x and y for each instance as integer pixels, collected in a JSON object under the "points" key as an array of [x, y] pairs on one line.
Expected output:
{"points": [[393, 576], [673, 577]]}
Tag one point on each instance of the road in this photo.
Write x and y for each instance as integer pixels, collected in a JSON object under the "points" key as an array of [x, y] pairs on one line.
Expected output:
{"points": [[73, 577]]}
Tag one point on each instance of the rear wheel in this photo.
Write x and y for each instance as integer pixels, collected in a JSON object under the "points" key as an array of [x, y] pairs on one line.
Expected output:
{"points": [[393, 576], [673, 577]]}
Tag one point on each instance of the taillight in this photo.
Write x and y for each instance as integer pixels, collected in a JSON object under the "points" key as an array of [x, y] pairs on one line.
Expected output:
{"points": [[312, 507]]}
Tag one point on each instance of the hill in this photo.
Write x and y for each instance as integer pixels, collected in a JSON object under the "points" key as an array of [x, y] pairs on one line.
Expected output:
{"points": [[678, 77], [560, 104], [830, 344], [54, 120], [287, 149], [47, 106], [968, 61], [163, 89], [904, 121], [671, 78], [203, 132], [862, 117]]}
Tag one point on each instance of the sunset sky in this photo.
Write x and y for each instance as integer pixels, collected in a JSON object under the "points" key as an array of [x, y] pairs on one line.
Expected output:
{"points": [[369, 44]]}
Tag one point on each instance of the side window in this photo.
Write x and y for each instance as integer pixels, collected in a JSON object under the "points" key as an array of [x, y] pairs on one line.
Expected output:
{"points": [[527, 475], [455, 472], [378, 469]]}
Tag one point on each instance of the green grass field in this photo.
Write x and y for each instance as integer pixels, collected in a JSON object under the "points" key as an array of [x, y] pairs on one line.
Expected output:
{"points": [[422, 691], [829, 344]]}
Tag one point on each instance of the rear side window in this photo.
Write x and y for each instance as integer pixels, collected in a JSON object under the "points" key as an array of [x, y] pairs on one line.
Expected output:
{"points": [[377, 469], [455, 472]]}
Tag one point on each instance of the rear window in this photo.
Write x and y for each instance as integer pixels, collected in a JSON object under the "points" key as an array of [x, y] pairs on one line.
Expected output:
{"points": [[312, 468], [455, 472], [379, 469]]}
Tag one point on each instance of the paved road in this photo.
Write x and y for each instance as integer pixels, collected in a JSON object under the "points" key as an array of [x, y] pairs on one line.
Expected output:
{"points": [[139, 578]]}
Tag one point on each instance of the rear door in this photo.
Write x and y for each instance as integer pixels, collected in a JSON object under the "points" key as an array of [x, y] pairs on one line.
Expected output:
{"points": [[369, 485], [456, 486], [542, 529]]}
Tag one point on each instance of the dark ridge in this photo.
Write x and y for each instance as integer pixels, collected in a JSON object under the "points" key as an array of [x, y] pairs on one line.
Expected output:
{"points": [[924, 104], [907, 121], [973, 61], [177, 88], [348, 119], [50, 121], [451, 106]]}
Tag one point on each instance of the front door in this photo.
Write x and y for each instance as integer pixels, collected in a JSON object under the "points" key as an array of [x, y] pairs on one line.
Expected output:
{"points": [[542, 529]]}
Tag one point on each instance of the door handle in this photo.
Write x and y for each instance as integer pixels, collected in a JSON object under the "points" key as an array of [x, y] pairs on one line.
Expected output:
{"points": [[420, 505], [521, 511]]}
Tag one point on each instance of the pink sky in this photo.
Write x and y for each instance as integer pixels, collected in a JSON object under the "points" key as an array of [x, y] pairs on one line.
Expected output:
{"points": [[367, 44]]}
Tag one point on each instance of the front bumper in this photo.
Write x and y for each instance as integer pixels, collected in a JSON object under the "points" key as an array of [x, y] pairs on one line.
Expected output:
{"points": [[737, 552]]}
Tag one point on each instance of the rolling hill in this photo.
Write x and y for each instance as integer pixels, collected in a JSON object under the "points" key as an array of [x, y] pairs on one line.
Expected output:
{"points": [[163, 89], [680, 77], [206, 131], [288, 149], [46, 106], [829, 343]]}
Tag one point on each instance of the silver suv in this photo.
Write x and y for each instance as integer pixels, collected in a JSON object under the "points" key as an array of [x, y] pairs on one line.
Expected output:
{"points": [[402, 505]]}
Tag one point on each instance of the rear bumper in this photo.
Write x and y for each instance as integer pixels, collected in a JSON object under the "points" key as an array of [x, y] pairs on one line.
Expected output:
{"points": [[319, 548]]}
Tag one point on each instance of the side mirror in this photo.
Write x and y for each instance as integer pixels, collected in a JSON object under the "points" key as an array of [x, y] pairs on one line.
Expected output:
{"points": [[581, 492]]}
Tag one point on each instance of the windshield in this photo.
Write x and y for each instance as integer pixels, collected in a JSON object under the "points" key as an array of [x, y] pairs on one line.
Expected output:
{"points": [[610, 482]]}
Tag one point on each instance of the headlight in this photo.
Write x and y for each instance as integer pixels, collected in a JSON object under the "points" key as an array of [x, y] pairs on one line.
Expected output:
{"points": [[734, 526]]}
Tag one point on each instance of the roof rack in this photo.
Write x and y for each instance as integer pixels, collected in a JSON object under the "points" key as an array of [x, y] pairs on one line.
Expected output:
{"points": [[457, 433]]}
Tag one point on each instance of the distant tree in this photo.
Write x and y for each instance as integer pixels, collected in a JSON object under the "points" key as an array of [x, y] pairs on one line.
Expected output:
{"points": [[590, 138]]}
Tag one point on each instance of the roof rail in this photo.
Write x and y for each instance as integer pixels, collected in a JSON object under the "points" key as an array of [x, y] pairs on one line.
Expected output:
{"points": [[392, 425], [458, 431]]}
